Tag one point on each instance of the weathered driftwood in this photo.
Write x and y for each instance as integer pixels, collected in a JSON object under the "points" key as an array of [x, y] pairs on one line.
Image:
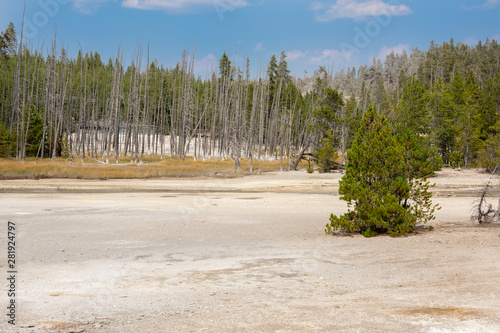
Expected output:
{"points": [[482, 211], [310, 158]]}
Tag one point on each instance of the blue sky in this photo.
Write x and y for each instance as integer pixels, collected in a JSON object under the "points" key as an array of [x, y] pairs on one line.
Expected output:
{"points": [[312, 33]]}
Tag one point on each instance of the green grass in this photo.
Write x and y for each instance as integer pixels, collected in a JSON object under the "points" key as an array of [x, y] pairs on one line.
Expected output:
{"points": [[150, 168]]}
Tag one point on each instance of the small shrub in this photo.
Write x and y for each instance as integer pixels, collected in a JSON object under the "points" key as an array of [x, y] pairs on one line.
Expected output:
{"points": [[489, 155], [326, 153]]}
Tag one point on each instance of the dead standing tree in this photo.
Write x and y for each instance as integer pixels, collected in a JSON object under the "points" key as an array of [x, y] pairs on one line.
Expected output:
{"points": [[482, 211], [105, 112]]}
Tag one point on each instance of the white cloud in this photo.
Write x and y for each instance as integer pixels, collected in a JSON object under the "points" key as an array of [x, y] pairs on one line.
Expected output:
{"points": [[295, 54], [327, 56], [398, 49], [489, 4], [88, 6], [224, 5], [318, 6], [221, 6], [358, 9], [332, 54], [471, 41], [206, 65], [259, 47]]}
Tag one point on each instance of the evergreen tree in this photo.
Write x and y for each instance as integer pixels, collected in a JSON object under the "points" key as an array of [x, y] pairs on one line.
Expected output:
{"points": [[352, 119], [380, 97], [8, 41], [225, 67], [386, 196], [443, 120], [411, 113], [470, 128], [247, 70], [283, 72], [412, 126], [403, 80], [272, 74], [489, 155], [7, 144], [326, 153], [327, 111], [323, 79], [458, 90], [34, 139], [490, 107]]}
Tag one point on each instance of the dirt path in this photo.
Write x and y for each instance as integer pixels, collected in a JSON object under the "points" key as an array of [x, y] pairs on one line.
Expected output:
{"points": [[241, 255]]}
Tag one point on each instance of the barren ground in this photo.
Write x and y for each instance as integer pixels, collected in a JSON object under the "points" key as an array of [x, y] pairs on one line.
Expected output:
{"points": [[241, 255]]}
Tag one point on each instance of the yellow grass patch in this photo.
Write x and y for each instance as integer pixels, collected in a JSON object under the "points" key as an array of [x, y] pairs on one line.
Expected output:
{"points": [[150, 168]]}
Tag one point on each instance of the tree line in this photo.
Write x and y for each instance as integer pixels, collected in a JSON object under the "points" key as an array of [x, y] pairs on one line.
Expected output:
{"points": [[449, 96], [52, 105]]}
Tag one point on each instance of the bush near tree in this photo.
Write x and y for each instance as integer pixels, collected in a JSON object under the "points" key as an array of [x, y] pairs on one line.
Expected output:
{"points": [[383, 191], [326, 153], [489, 155]]}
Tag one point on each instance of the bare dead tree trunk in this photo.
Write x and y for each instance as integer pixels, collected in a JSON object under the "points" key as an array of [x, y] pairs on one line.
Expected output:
{"points": [[16, 109]]}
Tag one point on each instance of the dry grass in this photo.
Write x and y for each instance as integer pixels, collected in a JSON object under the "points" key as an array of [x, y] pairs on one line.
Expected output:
{"points": [[150, 168]]}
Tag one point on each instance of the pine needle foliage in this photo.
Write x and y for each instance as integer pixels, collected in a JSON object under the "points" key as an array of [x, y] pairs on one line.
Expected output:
{"points": [[383, 192], [326, 153]]}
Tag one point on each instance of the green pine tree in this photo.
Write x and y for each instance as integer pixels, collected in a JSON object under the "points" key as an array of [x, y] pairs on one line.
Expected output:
{"points": [[247, 70], [378, 184], [8, 41], [380, 99], [467, 96], [411, 122], [272, 71], [443, 120], [272, 74], [326, 153], [327, 109], [283, 71], [225, 67], [352, 119], [411, 113], [7, 143]]}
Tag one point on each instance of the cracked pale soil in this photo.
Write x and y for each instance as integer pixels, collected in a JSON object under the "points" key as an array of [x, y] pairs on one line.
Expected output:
{"points": [[241, 255]]}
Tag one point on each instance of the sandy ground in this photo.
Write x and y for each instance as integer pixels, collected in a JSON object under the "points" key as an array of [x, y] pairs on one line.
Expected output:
{"points": [[241, 255]]}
